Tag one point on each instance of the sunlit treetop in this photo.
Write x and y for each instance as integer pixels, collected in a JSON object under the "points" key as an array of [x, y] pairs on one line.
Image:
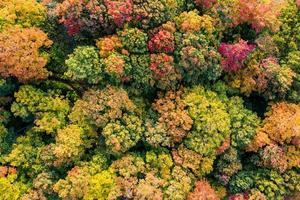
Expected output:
{"points": [[108, 45], [77, 16], [48, 111], [266, 77], [211, 120], [234, 55], [280, 126], [173, 123], [98, 107], [20, 56], [193, 22], [22, 13], [203, 190], [84, 65], [260, 14]]}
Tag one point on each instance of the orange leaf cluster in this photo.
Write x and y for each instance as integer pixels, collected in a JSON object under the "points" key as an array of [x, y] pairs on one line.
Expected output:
{"points": [[203, 191], [193, 161], [98, 107], [281, 126], [108, 45], [172, 114], [20, 56], [260, 14], [5, 171]]}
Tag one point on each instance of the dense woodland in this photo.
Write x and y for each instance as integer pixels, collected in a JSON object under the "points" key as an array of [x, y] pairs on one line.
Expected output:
{"points": [[149, 99]]}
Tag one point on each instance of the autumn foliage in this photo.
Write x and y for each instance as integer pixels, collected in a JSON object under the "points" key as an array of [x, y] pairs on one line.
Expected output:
{"points": [[149, 100], [234, 55], [203, 191], [20, 54], [260, 14]]}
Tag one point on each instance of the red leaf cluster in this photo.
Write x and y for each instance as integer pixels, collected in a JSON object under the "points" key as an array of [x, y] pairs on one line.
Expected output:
{"points": [[235, 54]]}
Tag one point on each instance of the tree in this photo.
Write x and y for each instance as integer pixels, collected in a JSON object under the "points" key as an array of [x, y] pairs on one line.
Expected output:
{"points": [[134, 40], [266, 77], [48, 111], [162, 39], [257, 13], [99, 107], [173, 123], [203, 191], [20, 54], [235, 55], [192, 22], [84, 65], [211, 121], [80, 16], [198, 60], [21, 13], [123, 134], [279, 126]]}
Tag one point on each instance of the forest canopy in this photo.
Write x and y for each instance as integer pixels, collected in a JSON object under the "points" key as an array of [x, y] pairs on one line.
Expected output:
{"points": [[149, 99]]}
